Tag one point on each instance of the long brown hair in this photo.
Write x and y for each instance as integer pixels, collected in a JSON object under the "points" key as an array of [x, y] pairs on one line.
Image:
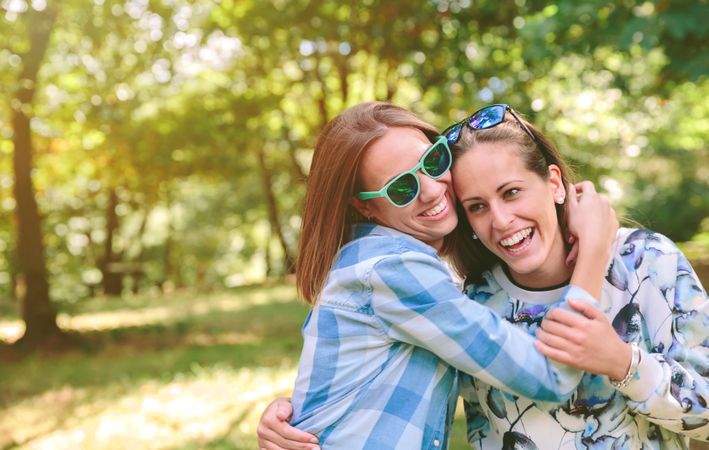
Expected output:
{"points": [[468, 256], [328, 215]]}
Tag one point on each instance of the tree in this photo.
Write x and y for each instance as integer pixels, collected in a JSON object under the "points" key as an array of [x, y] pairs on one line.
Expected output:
{"points": [[37, 310]]}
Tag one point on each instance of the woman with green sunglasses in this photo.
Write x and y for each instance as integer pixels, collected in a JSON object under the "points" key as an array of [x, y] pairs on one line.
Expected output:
{"points": [[390, 329]]}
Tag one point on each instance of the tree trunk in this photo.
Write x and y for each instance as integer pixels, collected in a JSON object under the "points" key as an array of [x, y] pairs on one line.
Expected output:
{"points": [[167, 252], [138, 274], [322, 98], [272, 206], [269, 263], [343, 72], [38, 312], [112, 277], [391, 80]]}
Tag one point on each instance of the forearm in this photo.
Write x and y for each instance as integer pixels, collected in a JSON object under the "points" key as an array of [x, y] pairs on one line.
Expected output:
{"points": [[671, 386], [670, 395], [590, 268], [463, 333]]}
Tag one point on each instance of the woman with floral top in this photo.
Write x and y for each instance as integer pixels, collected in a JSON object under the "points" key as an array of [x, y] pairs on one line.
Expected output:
{"points": [[645, 349]]}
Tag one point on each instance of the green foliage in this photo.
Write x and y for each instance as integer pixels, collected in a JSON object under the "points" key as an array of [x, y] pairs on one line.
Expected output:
{"points": [[173, 104]]}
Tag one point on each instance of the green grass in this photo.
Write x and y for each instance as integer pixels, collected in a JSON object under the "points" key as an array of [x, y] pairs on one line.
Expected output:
{"points": [[185, 371]]}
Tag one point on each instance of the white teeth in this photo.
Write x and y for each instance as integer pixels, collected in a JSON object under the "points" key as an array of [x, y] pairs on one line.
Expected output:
{"points": [[516, 238], [437, 209]]}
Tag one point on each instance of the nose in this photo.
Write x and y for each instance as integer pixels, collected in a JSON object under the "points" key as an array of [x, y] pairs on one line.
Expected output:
{"points": [[501, 217], [431, 189]]}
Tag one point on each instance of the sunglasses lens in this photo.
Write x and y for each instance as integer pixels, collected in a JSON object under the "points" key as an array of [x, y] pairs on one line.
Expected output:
{"points": [[487, 117], [403, 190], [437, 161], [452, 133]]}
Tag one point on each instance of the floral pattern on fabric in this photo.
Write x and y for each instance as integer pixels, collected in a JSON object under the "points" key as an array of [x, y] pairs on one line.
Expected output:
{"points": [[652, 297]]}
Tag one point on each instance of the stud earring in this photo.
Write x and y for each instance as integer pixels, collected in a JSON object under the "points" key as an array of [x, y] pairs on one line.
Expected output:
{"points": [[560, 199], [475, 236]]}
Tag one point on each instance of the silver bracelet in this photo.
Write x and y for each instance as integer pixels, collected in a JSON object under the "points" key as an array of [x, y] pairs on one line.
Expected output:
{"points": [[632, 370]]}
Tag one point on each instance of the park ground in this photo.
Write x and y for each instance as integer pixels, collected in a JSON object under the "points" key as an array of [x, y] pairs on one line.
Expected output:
{"points": [[180, 371], [184, 371]]}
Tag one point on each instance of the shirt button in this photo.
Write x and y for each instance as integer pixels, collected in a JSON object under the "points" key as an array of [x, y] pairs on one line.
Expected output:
{"points": [[436, 443]]}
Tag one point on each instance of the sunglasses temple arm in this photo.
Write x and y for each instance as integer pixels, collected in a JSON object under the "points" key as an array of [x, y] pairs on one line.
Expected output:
{"points": [[529, 132]]}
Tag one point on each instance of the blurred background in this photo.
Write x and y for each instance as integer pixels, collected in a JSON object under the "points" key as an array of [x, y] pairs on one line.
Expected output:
{"points": [[154, 154]]}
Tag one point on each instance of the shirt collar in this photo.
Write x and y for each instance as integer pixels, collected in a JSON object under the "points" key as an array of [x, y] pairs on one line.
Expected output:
{"points": [[360, 230]]}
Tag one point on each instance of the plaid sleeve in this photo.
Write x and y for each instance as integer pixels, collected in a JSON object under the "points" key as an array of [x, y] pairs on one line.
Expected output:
{"points": [[416, 302]]}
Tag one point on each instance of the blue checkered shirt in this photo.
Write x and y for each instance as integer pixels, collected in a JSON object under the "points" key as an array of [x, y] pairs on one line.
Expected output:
{"points": [[382, 345]]}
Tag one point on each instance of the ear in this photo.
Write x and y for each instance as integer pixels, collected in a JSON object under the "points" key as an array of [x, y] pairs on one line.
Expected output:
{"points": [[364, 208], [556, 183]]}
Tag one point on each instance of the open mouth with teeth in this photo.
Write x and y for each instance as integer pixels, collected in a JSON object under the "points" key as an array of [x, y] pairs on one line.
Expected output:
{"points": [[518, 241], [436, 210]]}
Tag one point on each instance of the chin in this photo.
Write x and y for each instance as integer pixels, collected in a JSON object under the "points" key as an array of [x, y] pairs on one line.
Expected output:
{"points": [[523, 268]]}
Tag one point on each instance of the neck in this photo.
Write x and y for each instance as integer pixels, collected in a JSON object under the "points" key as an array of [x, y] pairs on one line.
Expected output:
{"points": [[438, 245], [552, 273]]}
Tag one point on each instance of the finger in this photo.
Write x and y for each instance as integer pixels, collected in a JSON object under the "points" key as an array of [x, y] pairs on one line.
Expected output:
{"points": [[569, 318], [585, 187], [556, 342], [278, 442], [553, 353], [271, 446], [562, 331], [282, 434], [585, 308], [293, 437], [284, 410], [571, 194], [573, 254]]}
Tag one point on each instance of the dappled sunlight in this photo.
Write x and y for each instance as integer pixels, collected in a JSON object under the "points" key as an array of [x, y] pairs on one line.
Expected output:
{"points": [[168, 313], [170, 310], [214, 404], [205, 339], [11, 330], [187, 370]]}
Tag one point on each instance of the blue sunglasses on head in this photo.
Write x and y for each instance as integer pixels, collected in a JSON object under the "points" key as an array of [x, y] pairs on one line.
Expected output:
{"points": [[481, 119]]}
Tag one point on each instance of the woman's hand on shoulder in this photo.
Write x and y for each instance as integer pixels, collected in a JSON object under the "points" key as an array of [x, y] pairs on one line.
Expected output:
{"points": [[585, 341], [275, 433]]}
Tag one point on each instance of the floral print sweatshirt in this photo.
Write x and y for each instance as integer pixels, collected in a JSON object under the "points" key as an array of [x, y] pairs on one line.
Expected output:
{"points": [[653, 298]]}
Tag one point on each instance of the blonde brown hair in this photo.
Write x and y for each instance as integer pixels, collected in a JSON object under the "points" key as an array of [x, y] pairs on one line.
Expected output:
{"points": [[328, 215], [469, 257]]}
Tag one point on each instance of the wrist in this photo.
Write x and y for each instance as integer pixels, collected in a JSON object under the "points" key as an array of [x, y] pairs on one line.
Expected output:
{"points": [[593, 252], [627, 366]]}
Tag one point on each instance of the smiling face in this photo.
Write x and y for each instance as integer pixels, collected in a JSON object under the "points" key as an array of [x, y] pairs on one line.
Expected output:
{"points": [[511, 209], [431, 216]]}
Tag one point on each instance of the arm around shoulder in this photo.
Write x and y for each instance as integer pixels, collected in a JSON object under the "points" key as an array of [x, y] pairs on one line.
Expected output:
{"points": [[416, 302]]}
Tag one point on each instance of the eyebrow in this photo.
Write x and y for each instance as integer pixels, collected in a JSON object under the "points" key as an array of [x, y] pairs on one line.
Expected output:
{"points": [[406, 171], [499, 188]]}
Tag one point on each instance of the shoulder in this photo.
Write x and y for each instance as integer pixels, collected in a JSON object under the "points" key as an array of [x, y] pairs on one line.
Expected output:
{"points": [[648, 254], [636, 248], [632, 240], [380, 243], [483, 290]]}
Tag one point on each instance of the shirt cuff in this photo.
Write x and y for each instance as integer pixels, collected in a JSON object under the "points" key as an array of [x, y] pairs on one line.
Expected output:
{"points": [[648, 377]]}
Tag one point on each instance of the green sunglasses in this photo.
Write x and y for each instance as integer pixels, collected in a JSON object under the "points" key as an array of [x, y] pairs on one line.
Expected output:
{"points": [[405, 187]]}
